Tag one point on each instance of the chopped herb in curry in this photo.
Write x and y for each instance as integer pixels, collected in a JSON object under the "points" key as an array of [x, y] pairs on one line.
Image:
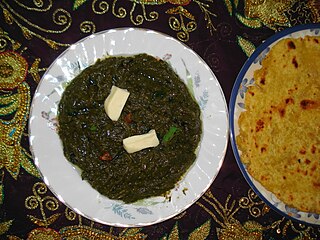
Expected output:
{"points": [[158, 100]]}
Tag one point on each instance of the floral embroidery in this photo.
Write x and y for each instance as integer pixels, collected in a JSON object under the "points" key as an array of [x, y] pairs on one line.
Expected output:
{"points": [[44, 233], [270, 13], [14, 110]]}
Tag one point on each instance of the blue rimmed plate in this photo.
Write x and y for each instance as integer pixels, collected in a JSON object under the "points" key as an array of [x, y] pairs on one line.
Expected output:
{"points": [[245, 79]]}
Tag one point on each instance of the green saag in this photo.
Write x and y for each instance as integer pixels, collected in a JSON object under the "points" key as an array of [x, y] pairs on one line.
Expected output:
{"points": [[158, 100]]}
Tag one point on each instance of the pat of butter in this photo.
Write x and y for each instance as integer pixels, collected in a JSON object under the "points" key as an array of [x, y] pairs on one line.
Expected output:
{"points": [[115, 102], [138, 142]]}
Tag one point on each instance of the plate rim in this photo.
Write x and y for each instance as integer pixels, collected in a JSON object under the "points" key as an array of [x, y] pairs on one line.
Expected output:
{"points": [[234, 92], [226, 119]]}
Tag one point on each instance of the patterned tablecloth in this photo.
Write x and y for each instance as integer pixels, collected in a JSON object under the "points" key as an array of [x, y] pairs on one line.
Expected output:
{"points": [[223, 33]]}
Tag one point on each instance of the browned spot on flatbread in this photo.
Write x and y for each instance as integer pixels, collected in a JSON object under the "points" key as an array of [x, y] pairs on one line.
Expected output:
{"points": [[308, 104], [294, 62], [289, 101], [302, 151], [259, 125], [313, 149], [291, 45], [316, 40], [316, 184], [290, 197], [282, 111]]}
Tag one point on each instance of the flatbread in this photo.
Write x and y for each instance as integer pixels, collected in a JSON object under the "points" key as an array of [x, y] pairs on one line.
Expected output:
{"points": [[279, 133]]}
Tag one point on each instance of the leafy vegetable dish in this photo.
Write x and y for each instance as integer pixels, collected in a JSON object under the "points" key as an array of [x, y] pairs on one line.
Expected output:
{"points": [[159, 103]]}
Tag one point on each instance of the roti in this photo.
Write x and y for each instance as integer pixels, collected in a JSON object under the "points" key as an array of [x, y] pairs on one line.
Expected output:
{"points": [[279, 133]]}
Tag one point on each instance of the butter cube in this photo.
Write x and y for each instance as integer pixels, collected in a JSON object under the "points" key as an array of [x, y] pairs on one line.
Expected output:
{"points": [[115, 102], [138, 142]]}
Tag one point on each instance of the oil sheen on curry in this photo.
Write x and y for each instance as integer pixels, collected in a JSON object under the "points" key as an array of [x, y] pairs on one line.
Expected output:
{"points": [[159, 101]]}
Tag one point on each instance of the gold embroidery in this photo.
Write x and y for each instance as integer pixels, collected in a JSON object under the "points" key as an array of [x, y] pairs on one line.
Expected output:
{"points": [[235, 231], [53, 44], [236, 2], [156, 2], [7, 16], [302, 229], [249, 22], [181, 215], [314, 6], [231, 228], [103, 7], [207, 15], [13, 238], [130, 232], [75, 232], [201, 232], [179, 24], [34, 70], [183, 29], [13, 69], [174, 234], [270, 13], [26, 33], [43, 202], [225, 212], [39, 5], [60, 17], [179, 2], [78, 3], [7, 43], [5, 226], [182, 11], [275, 15], [252, 202], [27, 163], [120, 13], [303, 12], [87, 27], [229, 6], [137, 13], [44, 233], [140, 18], [14, 104], [70, 215]]}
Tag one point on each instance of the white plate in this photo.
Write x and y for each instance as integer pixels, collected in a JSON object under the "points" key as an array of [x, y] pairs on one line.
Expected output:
{"points": [[65, 181], [245, 79]]}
